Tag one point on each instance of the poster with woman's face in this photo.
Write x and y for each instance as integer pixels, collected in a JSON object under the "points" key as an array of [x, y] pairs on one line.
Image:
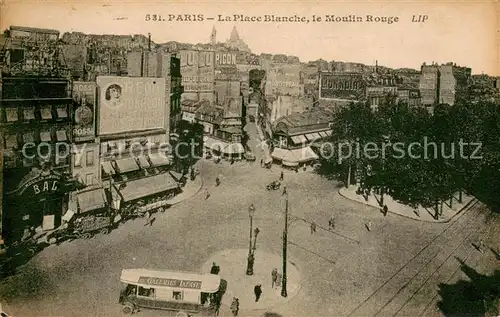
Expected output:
{"points": [[113, 96]]}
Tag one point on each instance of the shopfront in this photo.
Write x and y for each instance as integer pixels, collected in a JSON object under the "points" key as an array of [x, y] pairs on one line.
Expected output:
{"points": [[35, 205]]}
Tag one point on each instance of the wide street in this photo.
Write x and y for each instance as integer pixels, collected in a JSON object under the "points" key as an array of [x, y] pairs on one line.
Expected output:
{"points": [[392, 270]]}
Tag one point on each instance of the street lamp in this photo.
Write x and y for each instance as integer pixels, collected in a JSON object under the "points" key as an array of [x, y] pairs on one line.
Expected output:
{"points": [[250, 259], [285, 244]]}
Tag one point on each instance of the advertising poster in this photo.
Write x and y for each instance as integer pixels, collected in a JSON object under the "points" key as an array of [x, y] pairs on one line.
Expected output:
{"points": [[341, 86], [197, 69], [131, 104], [84, 97]]}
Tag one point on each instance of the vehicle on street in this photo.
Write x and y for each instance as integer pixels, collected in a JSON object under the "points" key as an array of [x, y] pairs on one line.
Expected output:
{"points": [[181, 292]]}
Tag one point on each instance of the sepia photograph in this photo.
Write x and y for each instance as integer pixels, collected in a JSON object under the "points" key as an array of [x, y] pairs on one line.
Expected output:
{"points": [[283, 158]]}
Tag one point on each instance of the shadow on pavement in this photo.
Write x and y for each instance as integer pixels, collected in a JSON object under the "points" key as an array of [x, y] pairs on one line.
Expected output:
{"points": [[268, 314], [471, 298]]}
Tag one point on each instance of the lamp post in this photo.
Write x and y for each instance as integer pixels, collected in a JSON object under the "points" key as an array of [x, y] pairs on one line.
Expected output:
{"points": [[250, 259], [285, 244]]}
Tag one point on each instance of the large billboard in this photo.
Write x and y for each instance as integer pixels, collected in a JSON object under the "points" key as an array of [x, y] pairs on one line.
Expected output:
{"points": [[341, 86], [225, 60], [284, 79], [131, 104], [84, 97], [197, 69]]}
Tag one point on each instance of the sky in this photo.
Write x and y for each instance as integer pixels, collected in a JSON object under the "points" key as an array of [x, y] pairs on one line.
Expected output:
{"points": [[461, 32]]}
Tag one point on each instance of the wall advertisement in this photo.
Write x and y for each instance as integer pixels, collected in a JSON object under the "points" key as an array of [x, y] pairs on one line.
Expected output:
{"points": [[84, 98], [131, 104], [197, 69], [341, 86]]}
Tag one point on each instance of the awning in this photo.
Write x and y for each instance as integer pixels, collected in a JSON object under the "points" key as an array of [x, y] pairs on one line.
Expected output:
{"points": [[313, 136], [279, 153], [11, 114], [299, 139], [328, 133], [234, 148], [108, 169], [127, 165], [46, 113], [45, 136], [206, 283], [148, 186], [214, 144], [159, 159], [268, 160], [91, 200], [291, 164], [61, 135], [323, 134], [143, 161], [62, 112], [29, 113], [300, 155]]}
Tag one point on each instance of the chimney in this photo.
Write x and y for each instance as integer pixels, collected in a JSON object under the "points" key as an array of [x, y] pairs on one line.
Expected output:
{"points": [[149, 42], [376, 66]]}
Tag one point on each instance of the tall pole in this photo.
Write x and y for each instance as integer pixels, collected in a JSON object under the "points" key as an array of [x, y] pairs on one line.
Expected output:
{"points": [[285, 244], [250, 237]]}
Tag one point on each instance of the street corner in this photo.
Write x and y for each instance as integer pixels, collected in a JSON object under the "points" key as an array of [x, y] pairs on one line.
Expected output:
{"points": [[233, 265]]}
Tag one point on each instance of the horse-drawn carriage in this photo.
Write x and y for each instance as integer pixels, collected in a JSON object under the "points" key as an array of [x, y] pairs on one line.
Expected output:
{"points": [[273, 186]]}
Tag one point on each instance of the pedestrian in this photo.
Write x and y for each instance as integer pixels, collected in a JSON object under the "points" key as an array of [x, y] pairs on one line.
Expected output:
{"points": [[417, 212], [235, 306], [217, 181], [278, 279], [386, 210], [296, 169], [281, 176], [207, 194], [232, 161], [261, 162], [193, 175], [213, 270], [369, 225], [480, 246], [274, 276], [313, 227], [284, 190], [331, 223], [257, 290]]}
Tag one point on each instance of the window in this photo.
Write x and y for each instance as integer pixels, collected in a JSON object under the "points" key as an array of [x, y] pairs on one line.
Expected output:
{"points": [[61, 135], [46, 113], [11, 114], [62, 112], [10, 141], [29, 114], [89, 179], [177, 295], [90, 157], [77, 160], [147, 292]]}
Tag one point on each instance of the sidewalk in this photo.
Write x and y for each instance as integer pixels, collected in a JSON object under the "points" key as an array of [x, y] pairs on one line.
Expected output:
{"points": [[424, 214], [188, 191], [233, 264]]}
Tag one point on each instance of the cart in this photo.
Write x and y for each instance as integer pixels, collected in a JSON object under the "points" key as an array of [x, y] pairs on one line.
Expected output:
{"points": [[273, 186]]}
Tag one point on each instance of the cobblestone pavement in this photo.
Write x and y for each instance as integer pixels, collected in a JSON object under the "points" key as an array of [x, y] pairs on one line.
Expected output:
{"points": [[348, 271]]}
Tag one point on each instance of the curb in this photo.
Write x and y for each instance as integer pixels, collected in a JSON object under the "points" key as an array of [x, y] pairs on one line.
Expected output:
{"points": [[473, 201], [191, 196]]}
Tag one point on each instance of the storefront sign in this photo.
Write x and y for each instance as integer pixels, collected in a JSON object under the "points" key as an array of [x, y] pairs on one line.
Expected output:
{"points": [[84, 97], [169, 282], [225, 59], [41, 184], [130, 104]]}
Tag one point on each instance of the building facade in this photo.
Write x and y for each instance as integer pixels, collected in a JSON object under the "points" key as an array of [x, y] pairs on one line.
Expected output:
{"points": [[445, 83]]}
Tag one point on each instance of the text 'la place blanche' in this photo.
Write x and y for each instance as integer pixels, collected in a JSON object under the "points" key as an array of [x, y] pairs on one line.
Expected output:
{"points": [[314, 18]]}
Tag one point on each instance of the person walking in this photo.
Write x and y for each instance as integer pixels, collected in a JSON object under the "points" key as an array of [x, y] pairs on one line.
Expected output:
{"points": [[480, 246], [257, 290], [281, 176], [235, 306], [284, 190], [207, 194], [331, 223], [278, 279], [369, 225], [274, 277], [386, 210], [261, 162], [149, 218], [313, 227], [217, 181]]}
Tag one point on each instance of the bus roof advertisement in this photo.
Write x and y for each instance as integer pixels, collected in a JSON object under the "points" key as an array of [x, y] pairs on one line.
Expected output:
{"points": [[130, 104], [84, 98]]}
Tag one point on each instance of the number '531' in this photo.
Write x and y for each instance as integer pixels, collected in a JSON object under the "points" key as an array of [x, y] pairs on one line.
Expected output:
{"points": [[153, 17]]}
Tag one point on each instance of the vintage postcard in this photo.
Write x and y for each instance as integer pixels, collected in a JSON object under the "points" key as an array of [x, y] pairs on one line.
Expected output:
{"points": [[249, 158]]}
